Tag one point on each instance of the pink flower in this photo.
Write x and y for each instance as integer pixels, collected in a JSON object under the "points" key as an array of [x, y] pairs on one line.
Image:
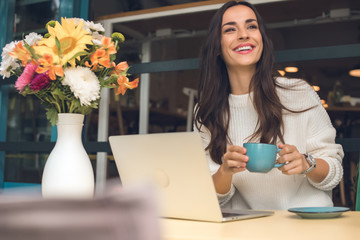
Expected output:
{"points": [[25, 77], [40, 81]]}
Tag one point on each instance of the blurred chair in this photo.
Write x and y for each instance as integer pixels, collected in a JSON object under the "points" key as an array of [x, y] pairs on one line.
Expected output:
{"points": [[192, 93], [351, 145]]}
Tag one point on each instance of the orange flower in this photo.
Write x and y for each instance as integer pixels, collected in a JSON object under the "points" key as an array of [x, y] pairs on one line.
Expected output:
{"points": [[46, 64], [101, 57], [124, 84], [120, 68], [108, 45], [21, 53]]}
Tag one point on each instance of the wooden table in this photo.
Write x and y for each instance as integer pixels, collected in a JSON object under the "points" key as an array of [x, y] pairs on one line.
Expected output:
{"points": [[283, 225]]}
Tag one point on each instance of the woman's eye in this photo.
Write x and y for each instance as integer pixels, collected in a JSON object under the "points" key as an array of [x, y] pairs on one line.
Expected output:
{"points": [[253, 27], [229, 30]]}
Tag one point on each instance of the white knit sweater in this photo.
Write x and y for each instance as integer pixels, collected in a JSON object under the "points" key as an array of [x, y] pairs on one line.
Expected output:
{"points": [[310, 131]]}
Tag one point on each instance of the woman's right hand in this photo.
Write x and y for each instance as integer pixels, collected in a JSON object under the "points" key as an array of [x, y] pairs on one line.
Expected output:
{"points": [[234, 159]]}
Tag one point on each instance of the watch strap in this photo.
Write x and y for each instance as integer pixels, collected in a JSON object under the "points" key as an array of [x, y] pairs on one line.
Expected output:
{"points": [[311, 161]]}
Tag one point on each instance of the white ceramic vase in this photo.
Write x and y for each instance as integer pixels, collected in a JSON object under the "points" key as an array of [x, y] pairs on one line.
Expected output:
{"points": [[68, 172]]}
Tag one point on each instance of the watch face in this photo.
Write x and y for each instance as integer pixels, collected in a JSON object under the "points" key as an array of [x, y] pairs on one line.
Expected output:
{"points": [[310, 160], [312, 163]]}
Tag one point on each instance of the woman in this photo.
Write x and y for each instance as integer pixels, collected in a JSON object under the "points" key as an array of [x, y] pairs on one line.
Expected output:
{"points": [[240, 101]]}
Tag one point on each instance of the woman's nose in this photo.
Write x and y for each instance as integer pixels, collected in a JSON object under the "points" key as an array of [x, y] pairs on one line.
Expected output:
{"points": [[242, 34]]}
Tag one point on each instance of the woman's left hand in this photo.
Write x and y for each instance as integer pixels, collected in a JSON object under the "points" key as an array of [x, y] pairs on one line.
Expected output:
{"points": [[295, 162]]}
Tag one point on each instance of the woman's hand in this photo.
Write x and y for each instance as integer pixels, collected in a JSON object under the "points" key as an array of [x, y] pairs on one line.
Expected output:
{"points": [[234, 159], [295, 162]]}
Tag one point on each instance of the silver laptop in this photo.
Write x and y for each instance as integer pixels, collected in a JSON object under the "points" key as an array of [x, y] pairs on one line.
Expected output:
{"points": [[176, 164]]}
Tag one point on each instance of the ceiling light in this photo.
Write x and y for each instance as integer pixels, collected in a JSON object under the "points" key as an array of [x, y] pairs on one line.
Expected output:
{"points": [[291, 69], [355, 72], [316, 88], [281, 72]]}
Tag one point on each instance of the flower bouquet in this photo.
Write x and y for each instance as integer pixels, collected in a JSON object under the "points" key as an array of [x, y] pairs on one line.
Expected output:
{"points": [[67, 67]]}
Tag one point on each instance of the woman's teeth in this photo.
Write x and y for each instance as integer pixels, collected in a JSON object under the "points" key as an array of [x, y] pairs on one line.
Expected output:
{"points": [[244, 48]]}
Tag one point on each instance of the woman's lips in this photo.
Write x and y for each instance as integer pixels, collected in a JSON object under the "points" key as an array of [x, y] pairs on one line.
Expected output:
{"points": [[244, 49]]}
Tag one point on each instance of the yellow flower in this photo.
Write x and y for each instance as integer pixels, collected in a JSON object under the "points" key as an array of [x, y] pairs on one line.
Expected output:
{"points": [[72, 39]]}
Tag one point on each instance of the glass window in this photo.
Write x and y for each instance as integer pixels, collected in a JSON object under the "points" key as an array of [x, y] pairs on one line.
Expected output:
{"points": [[31, 16], [26, 116], [106, 7]]}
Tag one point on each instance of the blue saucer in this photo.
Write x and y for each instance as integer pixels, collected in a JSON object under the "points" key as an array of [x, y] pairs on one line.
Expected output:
{"points": [[319, 212]]}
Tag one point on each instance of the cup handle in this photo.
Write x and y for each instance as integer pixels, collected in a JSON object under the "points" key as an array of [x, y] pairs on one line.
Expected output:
{"points": [[279, 164]]}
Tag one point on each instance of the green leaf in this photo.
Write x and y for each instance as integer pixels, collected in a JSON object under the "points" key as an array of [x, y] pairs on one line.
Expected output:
{"points": [[77, 103], [108, 83], [26, 90], [78, 55], [59, 93], [52, 115], [85, 110], [112, 57], [31, 50], [58, 45]]}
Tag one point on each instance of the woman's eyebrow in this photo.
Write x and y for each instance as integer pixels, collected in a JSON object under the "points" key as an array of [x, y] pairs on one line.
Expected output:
{"points": [[250, 20], [229, 23], [234, 23]]}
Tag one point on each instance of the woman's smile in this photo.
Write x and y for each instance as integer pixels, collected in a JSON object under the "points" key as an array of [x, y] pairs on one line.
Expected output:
{"points": [[244, 48]]}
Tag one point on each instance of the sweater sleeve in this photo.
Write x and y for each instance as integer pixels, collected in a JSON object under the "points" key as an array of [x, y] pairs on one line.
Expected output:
{"points": [[213, 167], [321, 144], [320, 134]]}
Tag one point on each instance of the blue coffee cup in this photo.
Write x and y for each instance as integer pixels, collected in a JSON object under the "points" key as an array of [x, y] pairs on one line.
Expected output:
{"points": [[262, 157]]}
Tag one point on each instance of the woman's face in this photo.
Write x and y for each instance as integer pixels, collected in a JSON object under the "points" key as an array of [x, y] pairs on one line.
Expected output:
{"points": [[241, 40]]}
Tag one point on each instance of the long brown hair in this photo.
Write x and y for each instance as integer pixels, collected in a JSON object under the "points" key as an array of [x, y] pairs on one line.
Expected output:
{"points": [[213, 109]]}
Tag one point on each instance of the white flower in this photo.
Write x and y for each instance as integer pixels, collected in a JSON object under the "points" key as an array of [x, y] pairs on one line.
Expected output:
{"points": [[32, 38], [96, 42], [97, 38], [4, 72], [7, 65], [76, 20], [8, 48], [8, 62], [94, 27], [89, 26], [83, 83]]}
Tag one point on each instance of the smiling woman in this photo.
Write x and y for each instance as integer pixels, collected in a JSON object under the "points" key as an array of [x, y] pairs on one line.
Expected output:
{"points": [[241, 101]]}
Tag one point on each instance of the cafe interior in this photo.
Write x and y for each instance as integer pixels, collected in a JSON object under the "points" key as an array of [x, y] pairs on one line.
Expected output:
{"points": [[315, 40]]}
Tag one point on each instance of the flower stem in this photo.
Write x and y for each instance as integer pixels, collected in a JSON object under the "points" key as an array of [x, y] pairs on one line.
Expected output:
{"points": [[63, 105], [55, 102], [71, 107]]}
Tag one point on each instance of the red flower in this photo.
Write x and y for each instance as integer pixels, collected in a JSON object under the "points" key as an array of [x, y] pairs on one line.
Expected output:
{"points": [[40, 82]]}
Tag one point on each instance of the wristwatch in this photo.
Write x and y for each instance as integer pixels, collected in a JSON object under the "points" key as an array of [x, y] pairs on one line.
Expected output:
{"points": [[311, 161]]}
